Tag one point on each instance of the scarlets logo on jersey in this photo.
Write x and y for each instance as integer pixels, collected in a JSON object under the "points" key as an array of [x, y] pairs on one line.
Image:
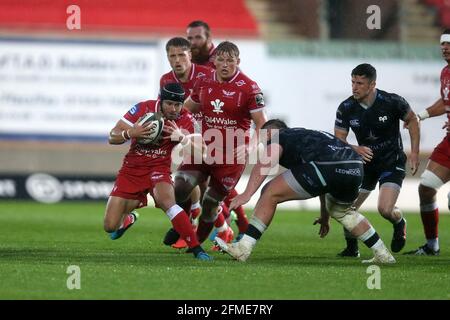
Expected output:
{"points": [[228, 94], [217, 104]]}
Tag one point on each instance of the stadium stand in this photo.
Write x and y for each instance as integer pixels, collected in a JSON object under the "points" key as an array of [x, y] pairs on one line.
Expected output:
{"points": [[406, 20], [288, 19], [164, 17], [443, 11]]}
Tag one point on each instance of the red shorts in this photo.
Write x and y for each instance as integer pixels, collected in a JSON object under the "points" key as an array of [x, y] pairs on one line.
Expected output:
{"points": [[135, 184], [441, 154], [223, 178]]}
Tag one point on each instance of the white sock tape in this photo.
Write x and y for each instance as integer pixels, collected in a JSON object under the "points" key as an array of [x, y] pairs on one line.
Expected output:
{"points": [[173, 211]]}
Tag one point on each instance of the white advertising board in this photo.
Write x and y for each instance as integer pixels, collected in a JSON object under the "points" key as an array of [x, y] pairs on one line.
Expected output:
{"points": [[71, 88]]}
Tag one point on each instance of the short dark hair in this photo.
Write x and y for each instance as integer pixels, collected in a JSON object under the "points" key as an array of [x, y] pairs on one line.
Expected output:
{"points": [[200, 23], [446, 31], [227, 47], [366, 70], [275, 124], [178, 42]]}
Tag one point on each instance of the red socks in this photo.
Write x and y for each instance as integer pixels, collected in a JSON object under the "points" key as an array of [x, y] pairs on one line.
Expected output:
{"points": [[242, 221], [181, 223], [430, 220], [223, 214]]}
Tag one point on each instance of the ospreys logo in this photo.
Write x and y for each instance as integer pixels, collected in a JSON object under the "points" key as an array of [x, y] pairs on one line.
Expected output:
{"points": [[217, 104], [382, 119]]}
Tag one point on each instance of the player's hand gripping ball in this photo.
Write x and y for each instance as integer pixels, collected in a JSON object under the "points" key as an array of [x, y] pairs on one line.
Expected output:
{"points": [[156, 124]]}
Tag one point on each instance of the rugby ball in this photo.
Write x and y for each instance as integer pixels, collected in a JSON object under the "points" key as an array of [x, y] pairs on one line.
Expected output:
{"points": [[156, 122]]}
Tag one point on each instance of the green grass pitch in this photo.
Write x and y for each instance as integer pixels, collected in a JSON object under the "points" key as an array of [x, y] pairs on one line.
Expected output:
{"points": [[39, 242]]}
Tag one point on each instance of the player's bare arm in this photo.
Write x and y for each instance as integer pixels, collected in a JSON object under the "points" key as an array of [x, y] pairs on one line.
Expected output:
{"points": [[436, 109], [259, 118], [324, 219], [123, 132], [365, 152], [191, 105], [258, 175], [412, 123]]}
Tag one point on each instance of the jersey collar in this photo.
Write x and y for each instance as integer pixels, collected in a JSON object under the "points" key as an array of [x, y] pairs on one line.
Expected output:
{"points": [[232, 78], [365, 106], [191, 76]]}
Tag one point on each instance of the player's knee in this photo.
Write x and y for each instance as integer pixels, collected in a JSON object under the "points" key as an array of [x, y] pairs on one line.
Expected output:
{"points": [[271, 194], [385, 209], [343, 213], [184, 184], [431, 180], [350, 219], [426, 194], [336, 209], [182, 192], [165, 204]]}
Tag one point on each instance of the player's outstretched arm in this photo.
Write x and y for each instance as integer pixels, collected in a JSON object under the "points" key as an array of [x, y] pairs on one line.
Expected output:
{"points": [[245, 152], [123, 132], [120, 133], [365, 152], [259, 173], [324, 219], [436, 109], [412, 123], [259, 118]]}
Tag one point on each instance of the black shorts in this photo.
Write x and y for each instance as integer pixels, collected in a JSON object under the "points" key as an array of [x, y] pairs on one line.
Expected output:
{"points": [[341, 180], [395, 174]]}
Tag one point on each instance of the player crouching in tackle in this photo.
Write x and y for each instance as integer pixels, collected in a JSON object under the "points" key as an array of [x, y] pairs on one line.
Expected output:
{"points": [[318, 164], [146, 166]]}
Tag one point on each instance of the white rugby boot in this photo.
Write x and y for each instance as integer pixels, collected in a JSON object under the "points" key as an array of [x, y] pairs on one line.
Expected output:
{"points": [[382, 256], [240, 250]]}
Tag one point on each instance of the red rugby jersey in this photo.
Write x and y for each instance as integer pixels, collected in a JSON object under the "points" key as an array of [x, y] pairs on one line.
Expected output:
{"points": [[150, 155], [227, 108]]}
